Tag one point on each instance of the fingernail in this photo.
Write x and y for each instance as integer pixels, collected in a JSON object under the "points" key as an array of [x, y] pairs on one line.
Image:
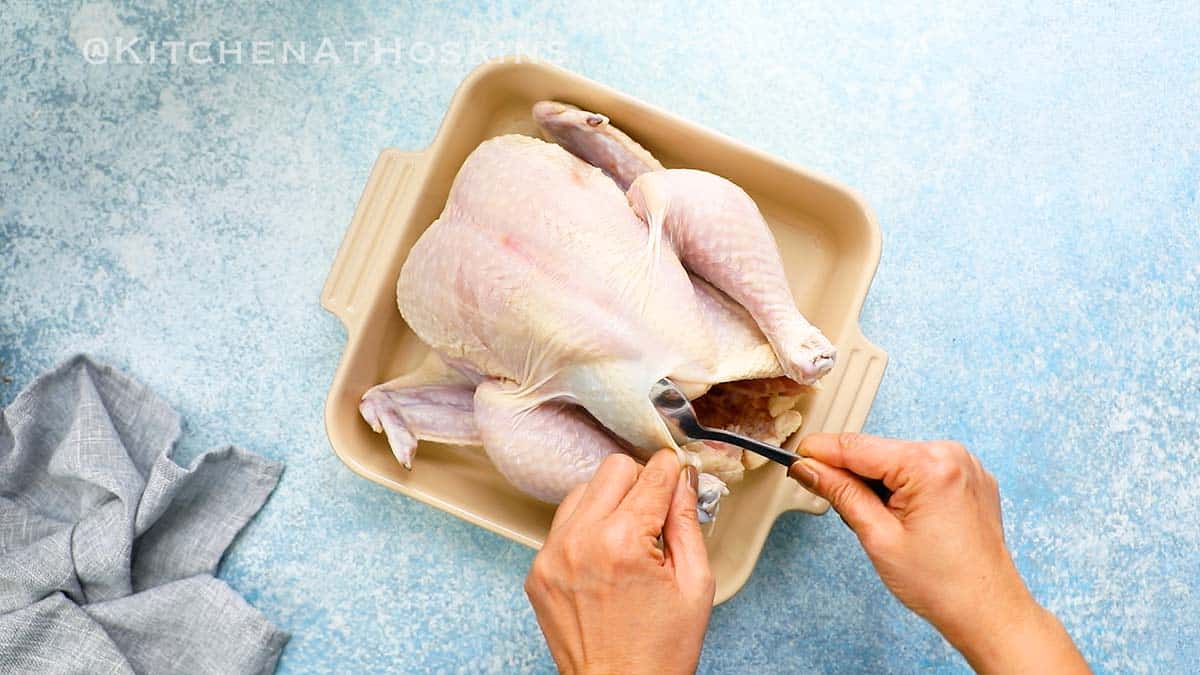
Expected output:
{"points": [[804, 475], [693, 477], [801, 450]]}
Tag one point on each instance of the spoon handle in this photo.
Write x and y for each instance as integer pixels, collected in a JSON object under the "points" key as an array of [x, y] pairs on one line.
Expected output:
{"points": [[769, 451], [777, 455]]}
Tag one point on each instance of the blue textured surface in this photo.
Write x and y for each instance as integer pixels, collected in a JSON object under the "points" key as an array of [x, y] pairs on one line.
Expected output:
{"points": [[1035, 172]]}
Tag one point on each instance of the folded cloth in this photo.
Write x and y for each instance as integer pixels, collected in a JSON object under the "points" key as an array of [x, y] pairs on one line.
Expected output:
{"points": [[108, 547]]}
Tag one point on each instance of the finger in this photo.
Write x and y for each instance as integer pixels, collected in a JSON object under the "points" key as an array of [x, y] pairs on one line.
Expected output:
{"points": [[976, 465], [848, 495], [683, 542], [617, 473], [650, 498], [567, 507], [869, 456]]}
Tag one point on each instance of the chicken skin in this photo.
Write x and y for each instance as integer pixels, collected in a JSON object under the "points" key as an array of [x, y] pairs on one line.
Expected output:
{"points": [[561, 281]]}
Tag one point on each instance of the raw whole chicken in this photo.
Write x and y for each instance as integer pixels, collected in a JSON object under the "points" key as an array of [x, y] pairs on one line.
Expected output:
{"points": [[562, 280]]}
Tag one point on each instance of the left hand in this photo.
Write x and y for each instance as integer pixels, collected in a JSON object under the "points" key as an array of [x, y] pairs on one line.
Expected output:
{"points": [[608, 599]]}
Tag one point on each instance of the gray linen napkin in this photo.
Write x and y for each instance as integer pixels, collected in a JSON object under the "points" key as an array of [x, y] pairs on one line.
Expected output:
{"points": [[108, 547]]}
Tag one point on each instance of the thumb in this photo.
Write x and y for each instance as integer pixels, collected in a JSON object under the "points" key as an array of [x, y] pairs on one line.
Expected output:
{"points": [[682, 538], [854, 501]]}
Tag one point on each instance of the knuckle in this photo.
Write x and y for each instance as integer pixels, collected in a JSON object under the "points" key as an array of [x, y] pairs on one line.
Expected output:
{"points": [[951, 450], [540, 574], [840, 494], [614, 541], [945, 471], [535, 586], [849, 441], [945, 461], [926, 453], [938, 452], [648, 523], [685, 516], [536, 570], [574, 558]]}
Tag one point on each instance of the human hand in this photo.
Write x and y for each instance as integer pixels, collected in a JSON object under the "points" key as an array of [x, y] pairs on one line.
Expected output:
{"points": [[938, 545], [607, 597]]}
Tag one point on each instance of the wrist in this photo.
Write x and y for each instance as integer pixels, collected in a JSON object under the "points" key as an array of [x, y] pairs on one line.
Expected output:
{"points": [[993, 632], [1026, 639], [984, 607]]}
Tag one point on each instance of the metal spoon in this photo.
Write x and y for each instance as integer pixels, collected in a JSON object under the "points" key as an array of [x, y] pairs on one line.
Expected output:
{"points": [[677, 412]]}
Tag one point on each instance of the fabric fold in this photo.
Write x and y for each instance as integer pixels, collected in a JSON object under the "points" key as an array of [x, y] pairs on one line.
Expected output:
{"points": [[105, 537]]}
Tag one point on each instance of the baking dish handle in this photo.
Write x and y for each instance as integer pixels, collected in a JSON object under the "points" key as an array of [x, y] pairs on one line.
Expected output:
{"points": [[848, 393], [385, 202]]}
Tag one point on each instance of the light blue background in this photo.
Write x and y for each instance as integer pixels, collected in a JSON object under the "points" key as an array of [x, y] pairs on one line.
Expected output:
{"points": [[1034, 171]]}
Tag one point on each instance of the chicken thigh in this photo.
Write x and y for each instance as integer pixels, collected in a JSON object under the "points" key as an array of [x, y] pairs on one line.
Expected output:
{"points": [[552, 299]]}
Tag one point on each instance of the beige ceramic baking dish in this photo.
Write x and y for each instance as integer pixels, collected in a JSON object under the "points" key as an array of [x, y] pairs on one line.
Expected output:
{"points": [[830, 246]]}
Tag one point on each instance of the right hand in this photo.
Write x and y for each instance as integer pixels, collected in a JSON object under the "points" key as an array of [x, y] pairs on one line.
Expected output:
{"points": [[938, 545]]}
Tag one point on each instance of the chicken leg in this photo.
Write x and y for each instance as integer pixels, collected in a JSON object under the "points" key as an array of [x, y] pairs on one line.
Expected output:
{"points": [[713, 226], [718, 233], [590, 137]]}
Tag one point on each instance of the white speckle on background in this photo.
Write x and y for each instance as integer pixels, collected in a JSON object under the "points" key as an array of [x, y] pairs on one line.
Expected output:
{"points": [[173, 111], [137, 254], [98, 20]]}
